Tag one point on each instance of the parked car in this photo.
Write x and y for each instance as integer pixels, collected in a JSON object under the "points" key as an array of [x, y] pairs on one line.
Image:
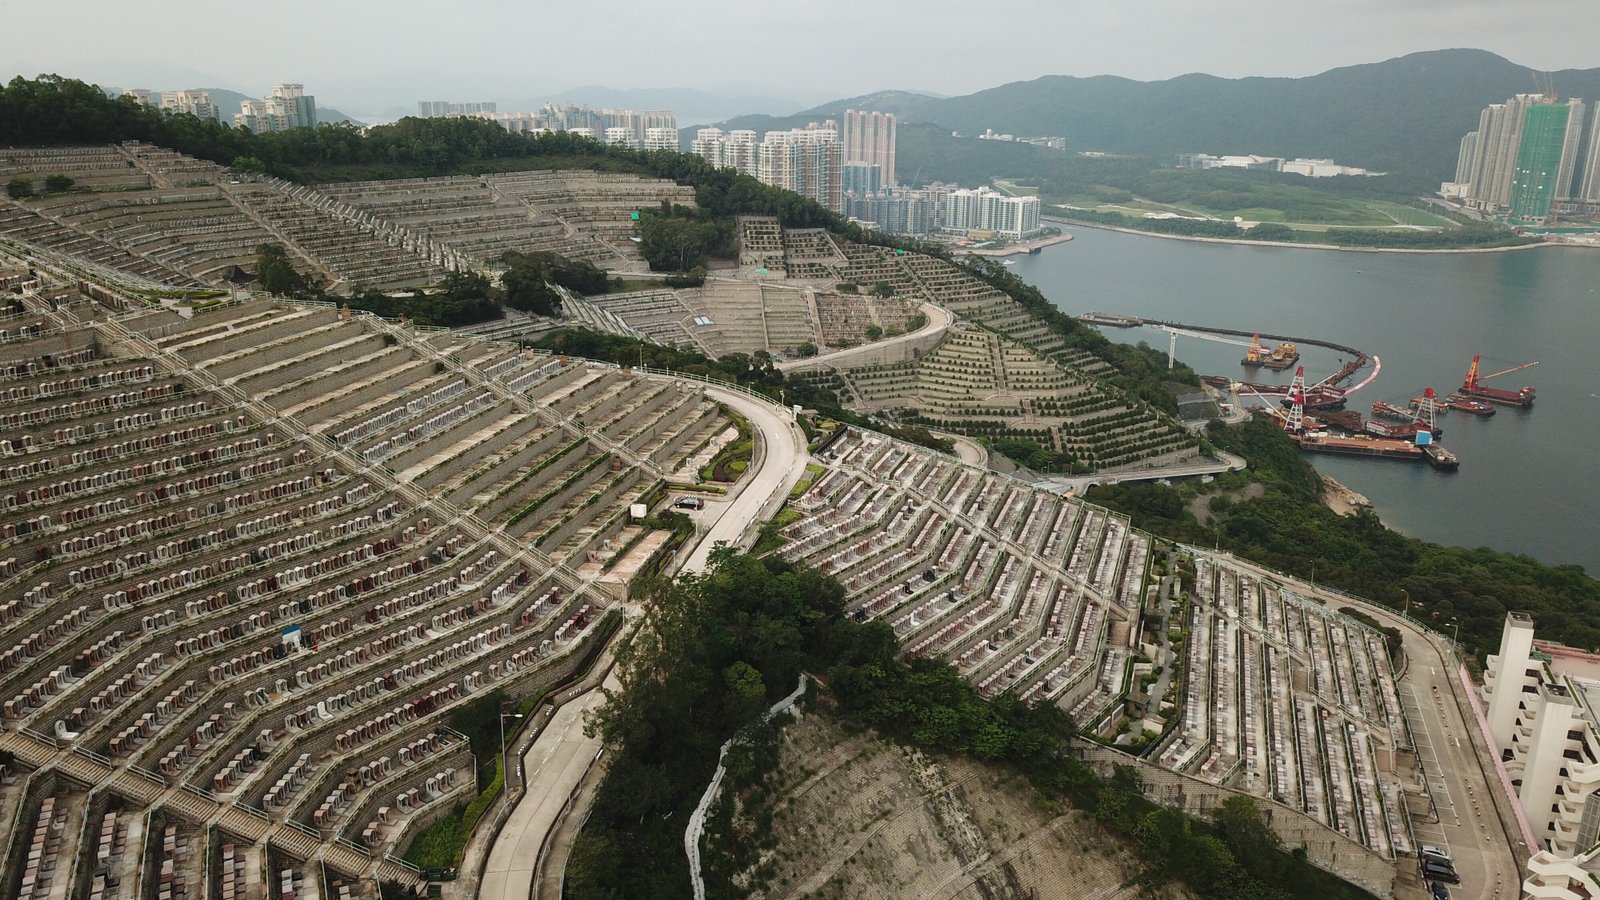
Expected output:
{"points": [[1435, 871]]}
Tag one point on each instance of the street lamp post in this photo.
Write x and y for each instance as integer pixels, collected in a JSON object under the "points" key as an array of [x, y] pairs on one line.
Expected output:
{"points": [[1408, 602], [505, 774]]}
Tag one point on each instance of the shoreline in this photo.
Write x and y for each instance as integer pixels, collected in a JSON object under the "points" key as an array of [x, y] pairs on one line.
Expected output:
{"points": [[1341, 499], [1022, 248], [1290, 245]]}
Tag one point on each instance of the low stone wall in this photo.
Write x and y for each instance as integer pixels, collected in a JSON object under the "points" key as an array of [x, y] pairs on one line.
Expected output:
{"points": [[1325, 848], [879, 353]]}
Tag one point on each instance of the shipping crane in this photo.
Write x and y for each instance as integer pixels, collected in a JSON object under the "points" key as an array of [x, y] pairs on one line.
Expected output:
{"points": [[1473, 387], [1210, 337], [1508, 371], [1296, 423]]}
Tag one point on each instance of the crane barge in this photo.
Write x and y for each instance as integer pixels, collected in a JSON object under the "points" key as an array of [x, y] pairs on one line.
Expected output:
{"points": [[1416, 444], [1473, 387]]}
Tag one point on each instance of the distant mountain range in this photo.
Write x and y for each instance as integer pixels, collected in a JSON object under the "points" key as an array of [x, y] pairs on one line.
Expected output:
{"points": [[1403, 115]]}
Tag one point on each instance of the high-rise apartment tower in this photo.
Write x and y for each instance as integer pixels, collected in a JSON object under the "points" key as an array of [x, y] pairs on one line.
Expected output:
{"points": [[869, 138]]}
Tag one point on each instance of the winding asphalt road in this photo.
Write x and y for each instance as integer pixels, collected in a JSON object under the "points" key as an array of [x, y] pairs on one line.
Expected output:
{"points": [[780, 462], [555, 763]]}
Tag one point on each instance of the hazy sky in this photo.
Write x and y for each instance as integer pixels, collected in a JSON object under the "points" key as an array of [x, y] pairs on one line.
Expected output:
{"points": [[369, 54]]}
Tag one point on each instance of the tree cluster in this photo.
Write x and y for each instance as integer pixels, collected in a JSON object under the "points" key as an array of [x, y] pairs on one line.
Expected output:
{"points": [[712, 653], [277, 275], [1288, 528], [715, 650], [526, 282], [462, 298], [678, 238], [1026, 452]]}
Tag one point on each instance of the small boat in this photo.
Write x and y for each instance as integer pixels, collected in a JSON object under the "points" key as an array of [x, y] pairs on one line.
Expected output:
{"points": [[1468, 405]]}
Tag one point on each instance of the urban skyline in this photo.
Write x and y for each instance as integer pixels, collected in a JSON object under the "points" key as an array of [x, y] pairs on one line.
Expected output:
{"points": [[1522, 162], [286, 106]]}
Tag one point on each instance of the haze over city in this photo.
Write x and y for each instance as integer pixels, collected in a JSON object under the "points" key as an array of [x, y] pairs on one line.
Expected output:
{"points": [[366, 56]]}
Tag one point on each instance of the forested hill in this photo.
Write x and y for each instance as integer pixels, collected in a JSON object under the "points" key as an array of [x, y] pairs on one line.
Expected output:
{"points": [[1403, 115]]}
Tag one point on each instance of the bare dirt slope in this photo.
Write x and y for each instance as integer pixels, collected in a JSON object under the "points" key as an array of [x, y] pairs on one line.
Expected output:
{"points": [[855, 817]]}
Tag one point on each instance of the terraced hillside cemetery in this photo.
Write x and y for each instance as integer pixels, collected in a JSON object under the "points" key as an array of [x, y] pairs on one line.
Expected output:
{"points": [[167, 219], [1003, 375], [981, 383], [577, 214], [153, 218], [252, 559], [1182, 659], [257, 553], [733, 316]]}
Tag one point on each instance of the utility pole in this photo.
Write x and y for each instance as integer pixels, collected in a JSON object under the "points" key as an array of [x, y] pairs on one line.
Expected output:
{"points": [[505, 774]]}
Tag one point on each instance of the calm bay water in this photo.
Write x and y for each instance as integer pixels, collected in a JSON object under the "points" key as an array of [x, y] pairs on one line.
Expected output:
{"points": [[1528, 480]]}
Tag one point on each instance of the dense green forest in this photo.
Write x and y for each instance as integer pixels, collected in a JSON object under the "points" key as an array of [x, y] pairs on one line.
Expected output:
{"points": [[1288, 528], [715, 650]]}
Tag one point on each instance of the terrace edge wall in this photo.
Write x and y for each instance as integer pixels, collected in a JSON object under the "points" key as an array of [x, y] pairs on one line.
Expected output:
{"points": [[1325, 848]]}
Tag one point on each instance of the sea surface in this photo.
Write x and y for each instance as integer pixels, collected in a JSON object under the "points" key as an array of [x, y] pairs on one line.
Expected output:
{"points": [[1529, 480]]}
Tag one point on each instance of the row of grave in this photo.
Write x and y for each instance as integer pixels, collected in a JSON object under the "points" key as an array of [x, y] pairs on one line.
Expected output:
{"points": [[282, 627], [1047, 597]]}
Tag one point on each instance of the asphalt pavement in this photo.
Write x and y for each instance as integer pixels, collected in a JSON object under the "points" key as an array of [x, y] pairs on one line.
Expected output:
{"points": [[554, 765], [779, 464]]}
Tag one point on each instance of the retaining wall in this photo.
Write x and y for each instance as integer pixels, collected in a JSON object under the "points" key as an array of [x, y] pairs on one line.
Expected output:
{"points": [[1325, 848]]}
